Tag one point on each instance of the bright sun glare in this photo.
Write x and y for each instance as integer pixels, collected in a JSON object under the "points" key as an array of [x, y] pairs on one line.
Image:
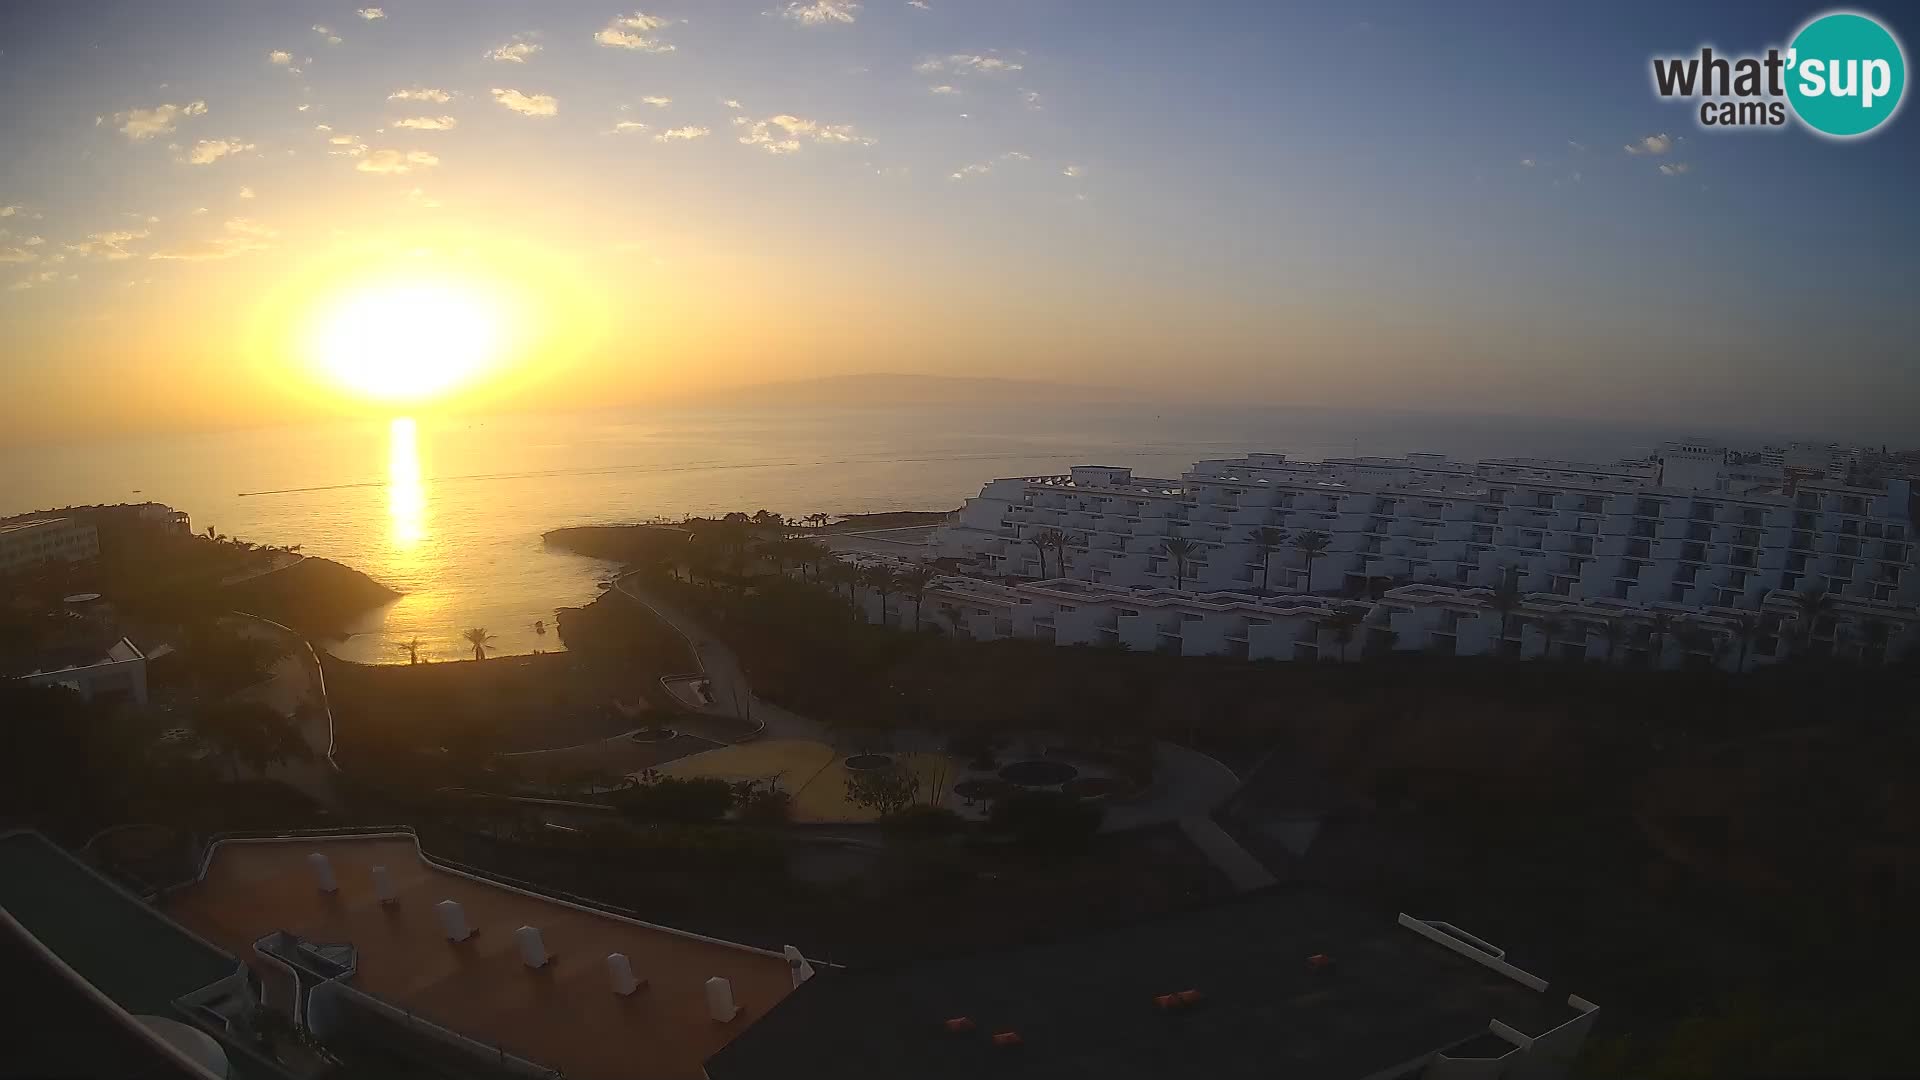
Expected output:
{"points": [[408, 341]]}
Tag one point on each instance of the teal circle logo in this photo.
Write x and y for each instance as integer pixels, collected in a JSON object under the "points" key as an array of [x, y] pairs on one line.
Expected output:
{"points": [[1845, 74]]}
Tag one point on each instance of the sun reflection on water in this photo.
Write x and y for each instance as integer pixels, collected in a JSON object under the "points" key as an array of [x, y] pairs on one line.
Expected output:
{"points": [[406, 496]]}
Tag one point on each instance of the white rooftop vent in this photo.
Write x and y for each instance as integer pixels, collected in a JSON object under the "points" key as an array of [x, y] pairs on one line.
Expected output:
{"points": [[620, 974], [453, 920], [802, 971], [322, 872], [383, 887], [720, 1004], [533, 950]]}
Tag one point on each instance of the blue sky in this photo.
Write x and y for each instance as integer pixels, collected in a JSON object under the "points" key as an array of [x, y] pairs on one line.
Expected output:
{"points": [[1401, 205]]}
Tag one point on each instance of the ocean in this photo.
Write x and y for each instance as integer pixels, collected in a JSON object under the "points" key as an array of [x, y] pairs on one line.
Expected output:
{"points": [[451, 511]]}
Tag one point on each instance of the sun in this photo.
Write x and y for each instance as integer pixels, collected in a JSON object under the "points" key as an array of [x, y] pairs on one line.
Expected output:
{"points": [[408, 341]]}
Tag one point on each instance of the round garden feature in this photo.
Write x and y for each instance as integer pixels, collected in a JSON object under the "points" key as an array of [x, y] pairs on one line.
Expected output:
{"points": [[1036, 773], [982, 790], [867, 762], [1094, 787], [653, 735]]}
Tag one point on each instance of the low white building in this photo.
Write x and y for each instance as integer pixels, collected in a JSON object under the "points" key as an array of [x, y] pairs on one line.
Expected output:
{"points": [[121, 669], [32, 542], [1412, 618]]}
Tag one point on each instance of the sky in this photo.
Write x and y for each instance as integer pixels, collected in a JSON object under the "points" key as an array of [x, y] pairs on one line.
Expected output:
{"points": [[1453, 207]]}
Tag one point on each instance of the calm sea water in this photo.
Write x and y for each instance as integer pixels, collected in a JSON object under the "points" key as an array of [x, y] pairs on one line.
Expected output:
{"points": [[450, 512]]}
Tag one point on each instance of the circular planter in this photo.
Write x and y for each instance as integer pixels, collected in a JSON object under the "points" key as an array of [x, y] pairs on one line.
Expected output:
{"points": [[983, 790], [867, 762], [1098, 787], [654, 735], [1037, 773]]}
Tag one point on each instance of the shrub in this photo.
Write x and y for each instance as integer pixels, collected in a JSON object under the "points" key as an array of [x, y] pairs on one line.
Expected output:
{"points": [[1046, 820], [924, 820], [689, 801]]}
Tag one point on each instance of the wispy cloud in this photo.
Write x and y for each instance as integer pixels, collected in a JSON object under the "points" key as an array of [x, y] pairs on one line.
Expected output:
{"points": [[428, 123], [682, 134], [656, 101], [371, 13], [514, 52], [421, 93], [628, 127], [280, 58], [143, 124], [208, 151], [968, 64], [1678, 168], [527, 104], [9, 211], [921, 4], [943, 89], [1527, 163], [17, 255], [395, 162], [785, 133], [246, 193], [821, 12], [635, 32], [327, 35], [42, 278], [239, 237], [109, 245], [1652, 144], [967, 171], [1074, 171], [1031, 98]]}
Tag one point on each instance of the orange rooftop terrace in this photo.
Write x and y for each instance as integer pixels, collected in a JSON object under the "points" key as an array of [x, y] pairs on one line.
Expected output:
{"points": [[564, 1015]]}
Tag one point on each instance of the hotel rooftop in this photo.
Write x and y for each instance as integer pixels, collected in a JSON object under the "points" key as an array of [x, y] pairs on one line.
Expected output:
{"points": [[562, 1015]]}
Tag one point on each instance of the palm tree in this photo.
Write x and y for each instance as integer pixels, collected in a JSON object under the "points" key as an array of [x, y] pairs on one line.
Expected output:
{"points": [[883, 581], [411, 647], [1061, 541], [1506, 598], [913, 584], [1179, 549], [1614, 633], [956, 619], [1659, 630], [1266, 540], [1311, 543], [1041, 543], [1744, 628], [1555, 629], [480, 640], [1809, 607], [1342, 624]]}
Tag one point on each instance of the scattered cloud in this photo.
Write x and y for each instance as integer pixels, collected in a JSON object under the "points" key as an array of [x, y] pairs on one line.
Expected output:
{"points": [[784, 134], [968, 64], [943, 89], [17, 255], [371, 13], [821, 12], [1527, 163], [1031, 98], [31, 280], [208, 151], [1074, 171], [921, 4], [428, 123], [420, 198], [1652, 144], [240, 236], [349, 146], [197, 211], [246, 193], [732, 104], [331, 37], [280, 58], [395, 162], [1678, 168], [1015, 155], [9, 211], [656, 101], [634, 32], [143, 124], [682, 134], [628, 127], [515, 51], [34, 241], [966, 171], [527, 104], [421, 93], [1577, 147], [108, 245]]}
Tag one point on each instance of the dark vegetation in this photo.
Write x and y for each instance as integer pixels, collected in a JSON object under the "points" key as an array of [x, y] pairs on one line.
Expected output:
{"points": [[1707, 854]]}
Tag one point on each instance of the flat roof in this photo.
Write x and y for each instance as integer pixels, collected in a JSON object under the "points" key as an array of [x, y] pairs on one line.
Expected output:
{"points": [[124, 947], [32, 523], [563, 1016], [1086, 1007]]}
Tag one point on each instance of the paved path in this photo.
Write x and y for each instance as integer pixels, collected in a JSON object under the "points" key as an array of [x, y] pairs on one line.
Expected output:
{"points": [[292, 682], [1187, 783], [732, 694], [1226, 854]]}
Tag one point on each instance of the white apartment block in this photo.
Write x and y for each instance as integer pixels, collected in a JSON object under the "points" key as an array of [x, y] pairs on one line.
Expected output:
{"points": [[29, 543], [1684, 532]]}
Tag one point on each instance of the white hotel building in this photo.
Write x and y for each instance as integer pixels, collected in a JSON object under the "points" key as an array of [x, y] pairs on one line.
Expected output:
{"points": [[1686, 535]]}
